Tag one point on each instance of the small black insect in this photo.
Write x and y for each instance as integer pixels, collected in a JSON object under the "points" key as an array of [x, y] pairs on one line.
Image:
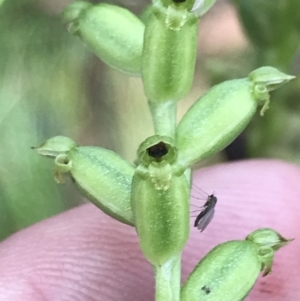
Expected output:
{"points": [[206, 289], [206, 215]]}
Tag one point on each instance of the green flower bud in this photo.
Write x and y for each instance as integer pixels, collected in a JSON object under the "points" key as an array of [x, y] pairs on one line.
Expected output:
{"points": [[55, 146], [228, 272], [100, 174], [160, 201], [169, 53], [267, 237], [219, 116], [113, 33]]}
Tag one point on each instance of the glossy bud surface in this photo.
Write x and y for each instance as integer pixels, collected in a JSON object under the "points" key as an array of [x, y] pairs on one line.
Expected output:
{"points": [[160, 201], [169, 53], [221, 114], [113, 33]]}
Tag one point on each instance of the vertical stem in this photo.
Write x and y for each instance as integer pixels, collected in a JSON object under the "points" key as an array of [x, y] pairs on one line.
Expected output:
{"points": [[167, 280], [164, 118]]}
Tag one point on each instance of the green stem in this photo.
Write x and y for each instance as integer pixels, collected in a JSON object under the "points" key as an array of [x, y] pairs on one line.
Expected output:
{"points": [[164, 118], [167, 280]]}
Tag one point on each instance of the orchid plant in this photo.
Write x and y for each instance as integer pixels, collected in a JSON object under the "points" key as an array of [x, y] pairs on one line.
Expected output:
{"points": [[153, 193]]}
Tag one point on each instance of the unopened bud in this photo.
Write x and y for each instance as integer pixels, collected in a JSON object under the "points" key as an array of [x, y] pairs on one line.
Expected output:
{"points": [[220, 115], [160, 201], [101, 175], [229, 271], [113, 33], [169, 53]]}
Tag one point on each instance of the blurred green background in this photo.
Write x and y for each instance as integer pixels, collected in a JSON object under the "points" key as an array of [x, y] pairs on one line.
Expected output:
{"points": [[51, 84]]}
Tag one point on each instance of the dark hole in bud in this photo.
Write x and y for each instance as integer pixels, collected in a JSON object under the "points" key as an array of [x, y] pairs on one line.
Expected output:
{"points": [[179, 1], [158, 150]]}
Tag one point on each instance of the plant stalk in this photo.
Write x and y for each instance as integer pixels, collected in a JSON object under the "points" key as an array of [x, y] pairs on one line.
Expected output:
{"points": [[164, 118], [167, 280]]}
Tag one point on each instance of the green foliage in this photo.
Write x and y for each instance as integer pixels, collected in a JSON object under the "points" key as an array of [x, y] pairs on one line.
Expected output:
{"points": [[37, 70], [273, 29]]}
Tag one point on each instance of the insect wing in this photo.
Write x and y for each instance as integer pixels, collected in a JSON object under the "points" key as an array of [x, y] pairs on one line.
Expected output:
{"points": [[204, 218], [199, 216]]}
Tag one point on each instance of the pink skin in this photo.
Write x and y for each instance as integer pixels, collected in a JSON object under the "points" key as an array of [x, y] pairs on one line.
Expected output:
{"points": [[83, 255]]}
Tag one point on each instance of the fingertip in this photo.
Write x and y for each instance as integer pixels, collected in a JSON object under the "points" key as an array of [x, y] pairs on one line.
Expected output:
{"points": [[79, 255], [83, 254]]}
